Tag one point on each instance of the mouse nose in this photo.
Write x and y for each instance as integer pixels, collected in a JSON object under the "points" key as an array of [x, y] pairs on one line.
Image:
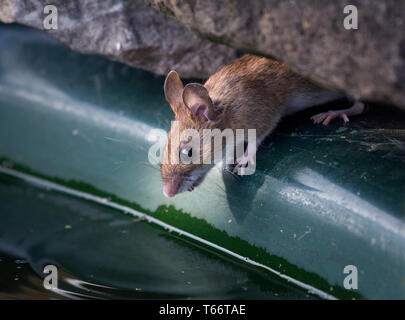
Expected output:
{"points": [[170, 188], [168, 191]]}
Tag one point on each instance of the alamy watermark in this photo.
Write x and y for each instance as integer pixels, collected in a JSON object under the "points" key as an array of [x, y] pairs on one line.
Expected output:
{"points": [[51, 19], [192, 147], [350, 282], [351, 21], [51, 280]]}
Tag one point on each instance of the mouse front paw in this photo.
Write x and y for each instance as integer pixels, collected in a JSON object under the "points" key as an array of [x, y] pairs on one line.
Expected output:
{"points": [[242, 166], [241, 163]]}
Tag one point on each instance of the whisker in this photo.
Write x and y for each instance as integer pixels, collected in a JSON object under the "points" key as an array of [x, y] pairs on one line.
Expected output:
{"points": [[117, 140], [149, 165]]}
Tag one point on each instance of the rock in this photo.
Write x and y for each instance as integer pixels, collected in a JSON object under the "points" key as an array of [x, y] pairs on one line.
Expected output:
{"points": [[6, 11], [125, 30], [309, 36]]}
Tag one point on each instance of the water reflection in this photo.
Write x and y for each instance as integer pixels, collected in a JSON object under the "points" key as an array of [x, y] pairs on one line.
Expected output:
{"points": [[96, 259]]}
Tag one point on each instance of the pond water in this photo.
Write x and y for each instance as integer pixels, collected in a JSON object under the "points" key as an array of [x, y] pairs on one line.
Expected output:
{"points": [[102, 253]]}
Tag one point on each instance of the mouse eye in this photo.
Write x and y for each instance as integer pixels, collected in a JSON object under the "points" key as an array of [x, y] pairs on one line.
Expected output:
{"points": [[186, 155], [187, 152]]}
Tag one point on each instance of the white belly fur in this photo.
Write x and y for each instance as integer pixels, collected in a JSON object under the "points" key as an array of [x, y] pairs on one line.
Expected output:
{"points": [[303, 101]]}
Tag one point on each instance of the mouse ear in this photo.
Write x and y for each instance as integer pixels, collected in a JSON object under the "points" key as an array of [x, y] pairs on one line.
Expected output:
{"points": [[196, 97], [173, 88]]}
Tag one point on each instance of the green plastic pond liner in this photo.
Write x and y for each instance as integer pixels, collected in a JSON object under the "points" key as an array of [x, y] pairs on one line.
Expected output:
{"points": [[321, 199]]}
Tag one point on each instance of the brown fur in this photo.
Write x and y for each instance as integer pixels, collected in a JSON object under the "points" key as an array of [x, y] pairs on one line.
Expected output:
{"points": [[251, 92], [248, 94]]}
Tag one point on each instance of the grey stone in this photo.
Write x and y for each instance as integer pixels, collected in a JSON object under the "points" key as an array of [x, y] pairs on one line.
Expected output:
{"points": [[129, 31], [309, 36]]}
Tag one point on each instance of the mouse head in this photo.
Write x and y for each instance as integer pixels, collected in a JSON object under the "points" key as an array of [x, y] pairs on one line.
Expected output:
{"points": [[183, 167]]}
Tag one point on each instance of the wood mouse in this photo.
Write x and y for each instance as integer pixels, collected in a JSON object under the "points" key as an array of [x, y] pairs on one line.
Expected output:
{"points": [[251, 93]]}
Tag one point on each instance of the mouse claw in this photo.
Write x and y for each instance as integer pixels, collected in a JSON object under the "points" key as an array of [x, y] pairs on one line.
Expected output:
{"points": [[241, 164], [327, 117]]}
